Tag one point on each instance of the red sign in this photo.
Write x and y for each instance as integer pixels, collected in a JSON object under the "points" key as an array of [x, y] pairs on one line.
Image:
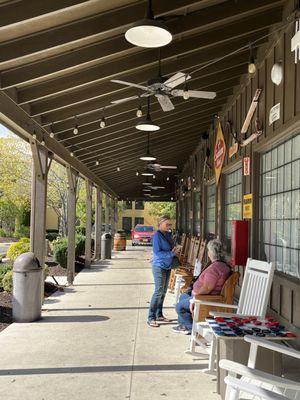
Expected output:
{"points": [[246, 166]]}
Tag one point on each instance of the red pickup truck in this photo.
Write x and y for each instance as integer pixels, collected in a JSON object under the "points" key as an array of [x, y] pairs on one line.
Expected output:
{"points": [[142, 235]]}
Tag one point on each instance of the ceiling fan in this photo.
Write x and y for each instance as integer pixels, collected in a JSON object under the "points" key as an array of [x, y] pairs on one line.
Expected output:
{"points": [[158, 167], [163, 88]]}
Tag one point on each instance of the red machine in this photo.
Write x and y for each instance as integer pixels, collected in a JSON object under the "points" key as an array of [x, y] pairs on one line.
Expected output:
{"points": [[239, 242]]}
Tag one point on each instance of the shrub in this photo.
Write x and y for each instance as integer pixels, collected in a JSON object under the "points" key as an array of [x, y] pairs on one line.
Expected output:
{"points": [[4, 268], [80, 230], [3, 233], [20, 247], [52, 236], [23, 231], [60, 251], [7, 281]]}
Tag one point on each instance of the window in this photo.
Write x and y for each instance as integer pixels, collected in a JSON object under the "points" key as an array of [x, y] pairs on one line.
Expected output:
{"points": [[127, 224], [197, 227], [128, 205], [211, 210], [233, 201], [138, 220], [139, 205], [279, 238]]}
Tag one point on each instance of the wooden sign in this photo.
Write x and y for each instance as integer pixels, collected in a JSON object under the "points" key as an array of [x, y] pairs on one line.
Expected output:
{"points": [[233, 149], [246, 162], [247, 206], [251, 111], [219, 153], [295, 42]]}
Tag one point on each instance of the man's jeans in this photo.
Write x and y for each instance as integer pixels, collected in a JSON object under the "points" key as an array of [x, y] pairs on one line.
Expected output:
{"points": [[183, 311], [161, 280]]}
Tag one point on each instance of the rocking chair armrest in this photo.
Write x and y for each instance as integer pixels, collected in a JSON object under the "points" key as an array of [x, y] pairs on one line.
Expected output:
{"points": [[268, 344], [247, 387], [255, 374], [212, 303]]}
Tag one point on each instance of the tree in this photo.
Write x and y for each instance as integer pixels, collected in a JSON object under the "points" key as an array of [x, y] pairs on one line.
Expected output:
{"points": [[159, 208], [15, 181]]}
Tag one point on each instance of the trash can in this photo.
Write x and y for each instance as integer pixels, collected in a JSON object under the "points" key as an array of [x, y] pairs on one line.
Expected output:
{"points": [[106, 242], [27, 280]]}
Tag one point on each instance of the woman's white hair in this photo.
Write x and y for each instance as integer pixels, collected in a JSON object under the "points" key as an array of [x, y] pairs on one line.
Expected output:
{"points": [[215, 247]]}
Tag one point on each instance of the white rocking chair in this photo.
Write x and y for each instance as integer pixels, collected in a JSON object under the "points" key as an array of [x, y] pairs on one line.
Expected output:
{"points": [[253, 301], [256, 383]]}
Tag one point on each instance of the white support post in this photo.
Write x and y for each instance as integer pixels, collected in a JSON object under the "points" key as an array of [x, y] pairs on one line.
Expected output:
{"points": [[42, 159], [88, 226], [72, 181], [98, 224], [106, 213]]}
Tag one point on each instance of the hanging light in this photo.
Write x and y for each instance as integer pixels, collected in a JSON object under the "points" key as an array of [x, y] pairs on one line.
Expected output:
{"points": [[76, 127], [148, 156], [172, 199], [139, 112], [51, 131], [137, 173], [43, 142], [34, 135], [118, 169], [102, 121], [186, 94], [146, 173], [168, 178], [251, 64], [72, 154], [153, 176], [148, 32], [97, 163], [147, 124]]}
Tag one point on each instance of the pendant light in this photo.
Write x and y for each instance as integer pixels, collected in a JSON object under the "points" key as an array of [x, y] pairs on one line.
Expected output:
{"points": [[147, 125], [148, 32], [148, 156], [251, 65]]}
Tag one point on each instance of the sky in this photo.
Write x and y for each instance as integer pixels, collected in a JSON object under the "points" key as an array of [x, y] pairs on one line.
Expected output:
{"points": [[4, 132]]}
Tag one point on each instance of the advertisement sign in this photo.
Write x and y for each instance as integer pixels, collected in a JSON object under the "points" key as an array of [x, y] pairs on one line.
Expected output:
{"points": [[219, 153], [246, 161], [247, 206]]}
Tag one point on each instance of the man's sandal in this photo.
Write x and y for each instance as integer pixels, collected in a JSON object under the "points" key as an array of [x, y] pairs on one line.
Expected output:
{"points": [[153, 324]]}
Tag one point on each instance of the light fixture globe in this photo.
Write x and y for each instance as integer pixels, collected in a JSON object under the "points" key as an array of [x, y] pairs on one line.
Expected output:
{"points": [[148, 157], [148, 33], [147, 125]]}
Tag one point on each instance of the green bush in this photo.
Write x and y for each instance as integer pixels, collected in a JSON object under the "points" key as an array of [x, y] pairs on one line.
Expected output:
{"points": [[7, 281], [20, 247], [60, 249], [23, 231], [4, 268], [52, 236], [3, 233], [80, 230]]}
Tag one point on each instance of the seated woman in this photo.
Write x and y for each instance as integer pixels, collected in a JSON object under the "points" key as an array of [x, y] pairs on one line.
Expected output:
{"points": [[210, 281]]}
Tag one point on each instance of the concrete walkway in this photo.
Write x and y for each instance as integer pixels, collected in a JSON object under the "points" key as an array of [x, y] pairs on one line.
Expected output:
{"points": [[93, 343]]}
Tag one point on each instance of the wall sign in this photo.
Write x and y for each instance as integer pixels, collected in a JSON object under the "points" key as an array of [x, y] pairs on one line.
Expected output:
{"points": [[219, 153], [233, 149], [247, 206], [274, 113], [246, 162]]}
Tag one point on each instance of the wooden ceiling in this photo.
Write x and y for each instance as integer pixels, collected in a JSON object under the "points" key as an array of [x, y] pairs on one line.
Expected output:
{"points": [[57, 58]]}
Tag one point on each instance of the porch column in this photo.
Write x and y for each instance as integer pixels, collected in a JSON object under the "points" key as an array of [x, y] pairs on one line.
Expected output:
{"points": [[42, 159], [116, 215], [88, 225], [72, 181], [98, 224], [107, 213]]}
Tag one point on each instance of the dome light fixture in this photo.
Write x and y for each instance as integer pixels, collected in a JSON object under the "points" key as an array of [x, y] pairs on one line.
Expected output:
{"points": [[148, 156], [168, 178], [51, 131], [102, 123], [97, 163], [118, 169], [72, 154], [147, 124], [186, 94], [149, 32]]}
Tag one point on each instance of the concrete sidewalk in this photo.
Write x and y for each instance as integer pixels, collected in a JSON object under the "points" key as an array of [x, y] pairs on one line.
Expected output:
{"points": [[93, 343]]}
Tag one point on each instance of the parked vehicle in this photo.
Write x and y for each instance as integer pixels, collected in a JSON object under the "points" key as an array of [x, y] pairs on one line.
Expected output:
{"points": [[142, 235]]}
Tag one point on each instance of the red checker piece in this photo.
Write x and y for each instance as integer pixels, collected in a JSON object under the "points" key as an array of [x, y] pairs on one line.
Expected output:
{"points": [[219, 319]]}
